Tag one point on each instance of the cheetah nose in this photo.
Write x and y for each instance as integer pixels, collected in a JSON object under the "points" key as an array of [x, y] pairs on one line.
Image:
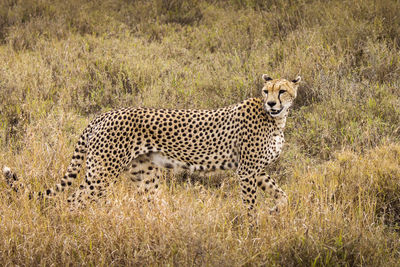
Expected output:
{"points": [[271, 103]]}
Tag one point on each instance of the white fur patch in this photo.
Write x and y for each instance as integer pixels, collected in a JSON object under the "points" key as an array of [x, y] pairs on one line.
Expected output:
{"points": [[162, 161], [6, 170]]}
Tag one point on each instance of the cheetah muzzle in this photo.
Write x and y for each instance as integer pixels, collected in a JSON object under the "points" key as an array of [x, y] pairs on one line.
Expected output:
{"points": [[275, 112]]}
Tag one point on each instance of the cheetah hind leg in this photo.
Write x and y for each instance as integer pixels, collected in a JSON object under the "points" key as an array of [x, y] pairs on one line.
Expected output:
{"points": [[267, 184], [145, 174], [97, 179], [90, 190]]}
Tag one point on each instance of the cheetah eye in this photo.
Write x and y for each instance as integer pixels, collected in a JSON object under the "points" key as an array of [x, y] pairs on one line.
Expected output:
{"points": [[282, 91], [265, 92]]}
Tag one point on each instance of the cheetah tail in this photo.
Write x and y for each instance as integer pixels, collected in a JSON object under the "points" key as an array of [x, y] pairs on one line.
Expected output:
{"points": [[78, 157], [72, 172], [12, 180]]}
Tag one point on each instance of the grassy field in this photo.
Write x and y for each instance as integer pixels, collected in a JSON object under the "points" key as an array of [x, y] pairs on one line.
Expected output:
{"points": [[63, 62]]}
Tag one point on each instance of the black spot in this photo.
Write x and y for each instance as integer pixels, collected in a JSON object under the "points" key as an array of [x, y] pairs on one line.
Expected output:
{"points": [[168, 166]]}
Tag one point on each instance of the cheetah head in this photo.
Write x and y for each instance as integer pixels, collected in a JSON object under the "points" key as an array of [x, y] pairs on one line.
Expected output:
{"points": [[279, 94]]}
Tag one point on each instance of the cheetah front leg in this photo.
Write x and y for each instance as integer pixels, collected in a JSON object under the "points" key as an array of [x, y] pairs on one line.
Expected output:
{"points": [[248, 189], [267, 184]]}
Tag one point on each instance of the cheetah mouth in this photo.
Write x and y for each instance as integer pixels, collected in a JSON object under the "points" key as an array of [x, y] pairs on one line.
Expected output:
{"points": [[275, 112]]}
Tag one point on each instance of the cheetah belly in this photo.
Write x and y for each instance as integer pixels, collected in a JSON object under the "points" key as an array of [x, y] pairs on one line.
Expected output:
{"points": [[162, 161]]}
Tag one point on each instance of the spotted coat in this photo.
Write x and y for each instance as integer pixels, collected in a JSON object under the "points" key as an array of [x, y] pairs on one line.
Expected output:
{"points": [[244, 137]]}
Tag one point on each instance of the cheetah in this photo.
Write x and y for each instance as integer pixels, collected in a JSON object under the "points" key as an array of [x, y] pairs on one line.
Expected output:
{"points": [[140, 142]]}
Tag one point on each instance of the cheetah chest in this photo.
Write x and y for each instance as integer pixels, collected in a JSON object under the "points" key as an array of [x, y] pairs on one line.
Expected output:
{"points": [[275, 146]]}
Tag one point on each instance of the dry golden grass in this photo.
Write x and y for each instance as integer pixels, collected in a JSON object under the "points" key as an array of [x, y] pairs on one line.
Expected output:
{"points": [[344, 211], [62, 62]]}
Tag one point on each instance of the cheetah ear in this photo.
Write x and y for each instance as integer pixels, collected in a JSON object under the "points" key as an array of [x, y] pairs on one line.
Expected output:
{"points": [[266, 78], [297, 80]]}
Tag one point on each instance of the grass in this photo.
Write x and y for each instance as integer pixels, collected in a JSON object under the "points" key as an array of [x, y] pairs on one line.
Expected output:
{"points": [[63, 62]]}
